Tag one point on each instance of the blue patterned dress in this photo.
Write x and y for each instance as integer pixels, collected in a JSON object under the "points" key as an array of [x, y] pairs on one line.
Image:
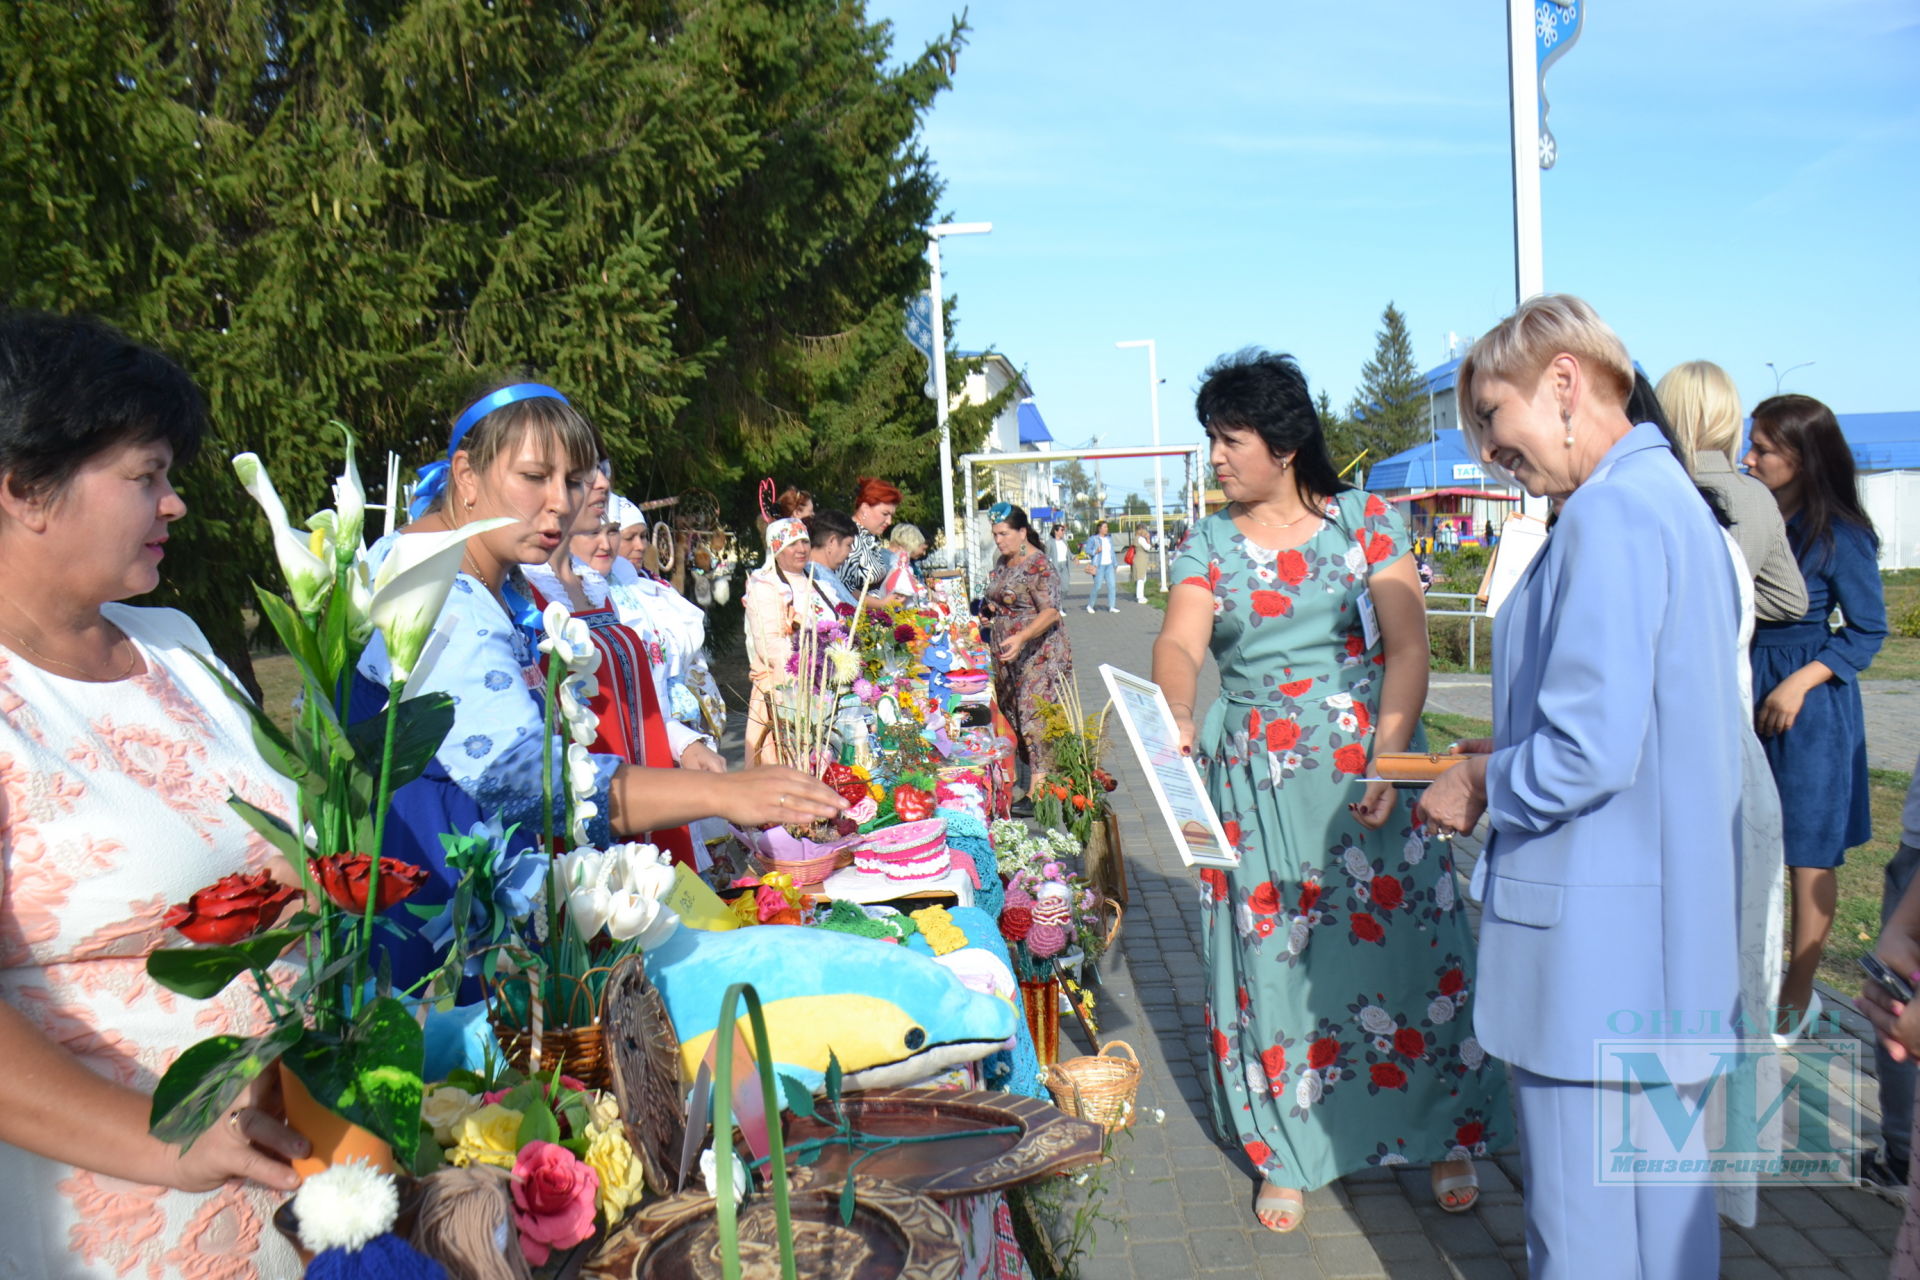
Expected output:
{"points": [[1340, 961]]}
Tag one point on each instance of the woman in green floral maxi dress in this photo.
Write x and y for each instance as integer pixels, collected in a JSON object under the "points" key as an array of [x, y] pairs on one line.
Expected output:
{"points": [[1340, 958]]}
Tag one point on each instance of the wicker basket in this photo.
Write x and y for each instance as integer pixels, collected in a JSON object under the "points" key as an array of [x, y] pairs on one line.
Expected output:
{"points": [[579, 1050], [1100, 1088]]}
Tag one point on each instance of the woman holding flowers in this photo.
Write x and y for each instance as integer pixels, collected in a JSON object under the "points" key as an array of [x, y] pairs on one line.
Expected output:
{"points": [[1030, 646], [1339, 956], [780, 596], [524, 455], [118, 751]]}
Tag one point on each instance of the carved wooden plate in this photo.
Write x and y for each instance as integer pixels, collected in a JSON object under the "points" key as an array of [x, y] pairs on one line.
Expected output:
{"points": [[1050, 1141], [894, 1233]]}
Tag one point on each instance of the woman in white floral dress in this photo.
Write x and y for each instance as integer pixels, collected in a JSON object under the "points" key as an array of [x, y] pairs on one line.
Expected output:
{"points": [[118, 751], [1340, 959]]}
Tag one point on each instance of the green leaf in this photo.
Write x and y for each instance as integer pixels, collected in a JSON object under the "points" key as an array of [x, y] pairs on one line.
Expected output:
{"points": [[799, 1097], [833, 1077], [810, 1156], [424, 724], [304, 647], [846, 1201], [203, 1082], [538, 1125], [200, 973], [471, 1081], [274, 830], [429, 1156], [372, 1077]]}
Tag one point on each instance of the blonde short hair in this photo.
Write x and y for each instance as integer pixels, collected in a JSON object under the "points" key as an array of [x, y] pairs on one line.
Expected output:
{"points": [[1519, 348], [1703, 407], [907, 538]]}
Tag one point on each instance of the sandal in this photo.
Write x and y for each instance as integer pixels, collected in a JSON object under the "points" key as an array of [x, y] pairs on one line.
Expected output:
{"points": [[1787, 1039], [1458, 1192], [1284, 1203]]}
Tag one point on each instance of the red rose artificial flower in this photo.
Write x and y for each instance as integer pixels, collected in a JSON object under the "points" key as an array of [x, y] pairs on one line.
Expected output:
{"points": [[1365, 927], [1216, 880], [1015, 922], [1283, 735], [1388, 893], [1265, 899], [1387, 1075], [1309, 896], [1411, 1042], [1258, 1152], [1452, 982], [231, 909], [1470, 1135], [1271, 604], [1321, 1053], [1375, 507], [1295, 688], [343, 878], [913, 804], [1292, 568], [1275, 1061], [554, 1192], [1351, 758]]}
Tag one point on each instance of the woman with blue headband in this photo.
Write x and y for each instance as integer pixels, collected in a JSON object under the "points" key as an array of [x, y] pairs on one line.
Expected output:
{"points": [[524, 453]]}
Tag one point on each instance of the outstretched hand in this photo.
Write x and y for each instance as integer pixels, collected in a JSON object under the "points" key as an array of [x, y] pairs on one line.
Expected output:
{"points": [[775, 793]]}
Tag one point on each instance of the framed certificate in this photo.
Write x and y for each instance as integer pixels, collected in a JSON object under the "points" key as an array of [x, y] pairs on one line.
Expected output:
{"points": [[1175, 782]]}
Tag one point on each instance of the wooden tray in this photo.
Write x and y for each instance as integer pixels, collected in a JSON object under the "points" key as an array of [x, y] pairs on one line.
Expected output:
{"points": [[894, 1233], [1415, 766], [1050, 1141]]}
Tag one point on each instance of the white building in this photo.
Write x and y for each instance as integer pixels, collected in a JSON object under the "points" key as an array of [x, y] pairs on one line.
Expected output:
{"points": [[1018, 428]]}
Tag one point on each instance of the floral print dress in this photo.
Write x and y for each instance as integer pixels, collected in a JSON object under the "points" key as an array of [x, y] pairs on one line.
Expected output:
{"points": [[1340, 974], [1017, 592], [113, 804]]}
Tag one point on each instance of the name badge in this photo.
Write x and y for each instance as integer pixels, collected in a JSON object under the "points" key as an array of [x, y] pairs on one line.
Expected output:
{"points": [[1369, 622]]}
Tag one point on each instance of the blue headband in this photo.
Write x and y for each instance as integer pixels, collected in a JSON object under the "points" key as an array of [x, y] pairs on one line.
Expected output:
{"points": [[433, 476]]}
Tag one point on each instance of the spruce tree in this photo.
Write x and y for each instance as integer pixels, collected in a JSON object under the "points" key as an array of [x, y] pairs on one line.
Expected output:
{"points": [[701, 221], [1390, 410]]}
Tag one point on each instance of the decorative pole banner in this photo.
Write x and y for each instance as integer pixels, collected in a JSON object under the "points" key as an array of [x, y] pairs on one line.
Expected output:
{"points": [[1556, 25], [766, 496], [919, 331]]}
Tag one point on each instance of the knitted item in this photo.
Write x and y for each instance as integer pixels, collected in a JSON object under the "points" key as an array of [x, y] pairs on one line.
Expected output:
{"points": [[464, 1219], [939, 929], [848, 917], [386, 1257], [1015, 923]]}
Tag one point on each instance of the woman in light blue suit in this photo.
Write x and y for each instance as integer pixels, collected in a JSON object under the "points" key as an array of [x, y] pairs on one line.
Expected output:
{"points": [[1612, 785]]}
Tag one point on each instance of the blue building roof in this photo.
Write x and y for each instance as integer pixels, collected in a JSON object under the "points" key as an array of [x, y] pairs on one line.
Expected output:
{"points": [[1033, 428], [1443, 463], [1883, 441]]}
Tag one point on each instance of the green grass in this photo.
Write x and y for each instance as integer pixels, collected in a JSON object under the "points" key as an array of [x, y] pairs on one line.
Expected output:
{"points": [[1443, 728], [279, 681], [1856, 917]]}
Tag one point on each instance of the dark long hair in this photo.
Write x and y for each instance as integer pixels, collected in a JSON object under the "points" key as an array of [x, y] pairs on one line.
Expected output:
{"points": [[1829, 488], [1016, 518], [1264, 392]]}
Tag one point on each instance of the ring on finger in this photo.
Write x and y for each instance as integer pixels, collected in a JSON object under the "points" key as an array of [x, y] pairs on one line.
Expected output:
{"points": [[783, 802], [233, 1118]]}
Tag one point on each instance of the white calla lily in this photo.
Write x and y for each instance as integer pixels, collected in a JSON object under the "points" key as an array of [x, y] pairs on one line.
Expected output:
{"points": [[359, 603], [412, 586], [309, 577], [583, 726], [349, 505], [569, 640]]}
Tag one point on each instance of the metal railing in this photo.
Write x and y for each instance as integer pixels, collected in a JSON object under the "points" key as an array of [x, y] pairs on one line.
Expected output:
{"points": [[1472, 613]]}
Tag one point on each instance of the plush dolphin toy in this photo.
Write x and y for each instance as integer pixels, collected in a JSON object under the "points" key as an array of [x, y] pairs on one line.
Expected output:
{"points": [[892, 1016]]}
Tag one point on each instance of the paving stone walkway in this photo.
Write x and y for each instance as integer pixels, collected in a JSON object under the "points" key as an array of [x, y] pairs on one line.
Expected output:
{"points": [[1184, 1203]]}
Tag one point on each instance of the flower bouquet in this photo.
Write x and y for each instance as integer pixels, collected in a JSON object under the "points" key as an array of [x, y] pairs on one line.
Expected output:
{"points": [[338, 1033], [563, 1143], [545, 974], [1073, 793]]}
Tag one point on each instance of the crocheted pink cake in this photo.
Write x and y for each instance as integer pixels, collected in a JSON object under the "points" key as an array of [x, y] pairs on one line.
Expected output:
{"points": [[909, 852]]}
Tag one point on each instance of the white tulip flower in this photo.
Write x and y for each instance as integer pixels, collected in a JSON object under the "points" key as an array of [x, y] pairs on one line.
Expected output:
{"points": [[584, 812], [308, 576], [710, 1172], [411, 588], [583, 873]]}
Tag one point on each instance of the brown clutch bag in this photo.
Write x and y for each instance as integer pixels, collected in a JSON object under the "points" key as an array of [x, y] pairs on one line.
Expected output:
{"points": [[1415, 766]]}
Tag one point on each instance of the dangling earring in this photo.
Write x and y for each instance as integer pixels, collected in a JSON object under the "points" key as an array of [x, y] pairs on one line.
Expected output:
{"points": [[1566, 420]]}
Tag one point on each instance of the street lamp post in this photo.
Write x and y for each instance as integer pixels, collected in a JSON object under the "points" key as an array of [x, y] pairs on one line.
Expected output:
{"points": [[934, 235], [1779, 375], [1153, 398]]}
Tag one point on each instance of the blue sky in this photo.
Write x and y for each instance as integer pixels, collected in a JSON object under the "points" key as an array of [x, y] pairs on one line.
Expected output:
{"points": [[1737, 182]]}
